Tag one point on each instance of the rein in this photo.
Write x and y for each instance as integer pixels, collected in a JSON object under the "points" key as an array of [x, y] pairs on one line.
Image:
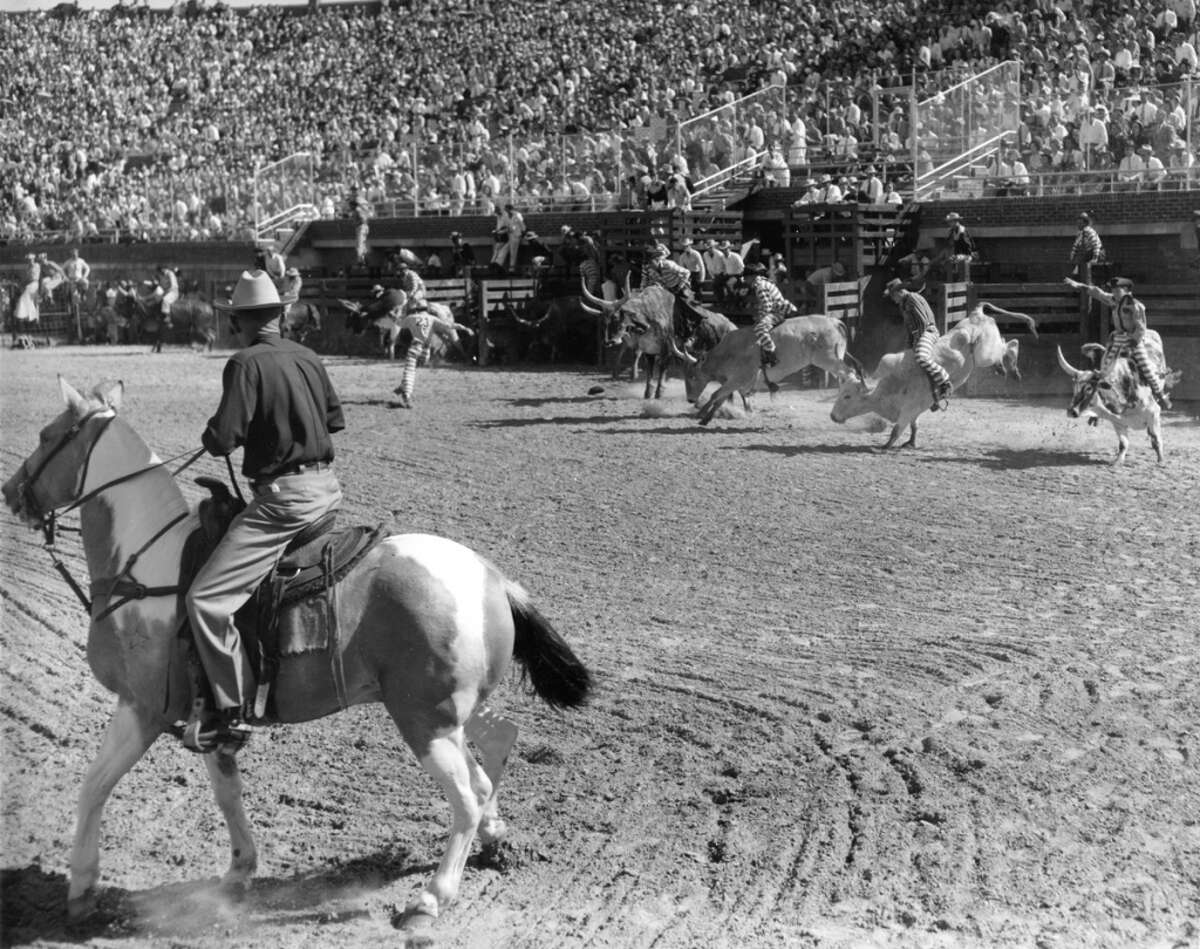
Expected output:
{"points": [[123, 584]]}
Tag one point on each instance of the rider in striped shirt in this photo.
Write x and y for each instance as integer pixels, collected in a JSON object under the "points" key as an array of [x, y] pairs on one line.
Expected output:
{"points": [[770, 309], [1129, 329], [922, 334], [659, 269]]}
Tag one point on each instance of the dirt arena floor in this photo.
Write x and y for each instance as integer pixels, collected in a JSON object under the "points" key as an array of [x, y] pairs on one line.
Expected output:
{"points": [[946, 697]]}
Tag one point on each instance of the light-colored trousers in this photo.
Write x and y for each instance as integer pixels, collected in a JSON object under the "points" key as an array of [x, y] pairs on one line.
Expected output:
{"points": [[246, 554]]}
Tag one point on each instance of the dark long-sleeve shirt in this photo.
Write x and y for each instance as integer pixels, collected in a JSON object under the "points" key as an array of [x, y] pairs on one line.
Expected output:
{"points": [[279, 405]]}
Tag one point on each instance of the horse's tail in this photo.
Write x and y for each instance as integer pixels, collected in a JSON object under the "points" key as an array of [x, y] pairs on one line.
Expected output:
{"points": [[554, 671]]}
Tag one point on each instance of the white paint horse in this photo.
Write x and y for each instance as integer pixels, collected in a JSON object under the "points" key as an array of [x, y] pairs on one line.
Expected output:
{"points": [[427, 627]]}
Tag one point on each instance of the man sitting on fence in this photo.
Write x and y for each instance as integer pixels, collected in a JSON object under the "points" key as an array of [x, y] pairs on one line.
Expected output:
{"points": [[1129, 329]]}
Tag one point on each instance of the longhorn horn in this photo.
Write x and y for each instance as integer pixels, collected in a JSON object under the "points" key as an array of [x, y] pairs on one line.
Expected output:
{"points": [[628, 288], [680, 354], [1067, 367], [591, 298]]}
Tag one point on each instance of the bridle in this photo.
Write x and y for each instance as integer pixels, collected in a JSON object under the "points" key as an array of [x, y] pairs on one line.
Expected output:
{"points": [[123, 583]]}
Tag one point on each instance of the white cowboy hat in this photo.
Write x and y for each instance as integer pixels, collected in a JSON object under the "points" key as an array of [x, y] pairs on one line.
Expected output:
{"points": [[254, 292]]}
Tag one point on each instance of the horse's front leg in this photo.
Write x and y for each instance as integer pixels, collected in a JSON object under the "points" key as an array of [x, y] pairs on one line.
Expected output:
{"points": [[130, 733], [227, 789]]}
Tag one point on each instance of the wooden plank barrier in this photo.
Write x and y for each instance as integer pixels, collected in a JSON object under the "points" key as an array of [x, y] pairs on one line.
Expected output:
{"points": [[842, 301], [1171, 309]]}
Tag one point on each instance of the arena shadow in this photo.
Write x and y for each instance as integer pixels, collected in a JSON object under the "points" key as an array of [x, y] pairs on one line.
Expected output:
{"points": [[35, 901], [1013, 459], [558, 400], [792, 451]]}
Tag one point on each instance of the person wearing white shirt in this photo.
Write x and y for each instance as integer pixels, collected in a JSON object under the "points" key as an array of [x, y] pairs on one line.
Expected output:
{"points": [[1185, 52], [1093, 138], [1132, 170], [735, 266], [755, 137], [692, 261], [714, 264]]}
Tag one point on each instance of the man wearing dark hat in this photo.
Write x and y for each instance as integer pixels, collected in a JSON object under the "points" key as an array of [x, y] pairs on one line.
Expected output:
{"points": [[1129, 329], [770, 309], [922, 334], [278, 405]]}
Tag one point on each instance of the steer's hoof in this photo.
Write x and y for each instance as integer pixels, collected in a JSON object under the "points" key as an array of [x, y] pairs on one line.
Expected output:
{"points": [[82, 907], [417, 926]]}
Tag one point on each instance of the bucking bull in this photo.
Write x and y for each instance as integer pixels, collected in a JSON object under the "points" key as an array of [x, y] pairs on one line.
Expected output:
{"points": [[389, 325], [1115, 391], [899, 391], [736, 361], [643, 320]]}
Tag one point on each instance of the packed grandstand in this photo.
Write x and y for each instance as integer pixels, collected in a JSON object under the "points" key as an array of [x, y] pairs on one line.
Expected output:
{"points": [[133, 124]]}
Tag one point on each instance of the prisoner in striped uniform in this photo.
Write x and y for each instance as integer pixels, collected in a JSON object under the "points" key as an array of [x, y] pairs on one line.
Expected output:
{"points": [[1129, 329], [922, 334], [659, 269], [770, 309]]}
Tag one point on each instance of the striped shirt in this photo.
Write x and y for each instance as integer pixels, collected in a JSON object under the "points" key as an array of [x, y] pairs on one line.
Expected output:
{"points": [[665, 273], [770, 309], [918, 316], [1087, 246]]}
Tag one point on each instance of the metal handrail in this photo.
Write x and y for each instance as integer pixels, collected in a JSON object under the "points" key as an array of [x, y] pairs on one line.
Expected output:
{"points": [[1103, 181]]}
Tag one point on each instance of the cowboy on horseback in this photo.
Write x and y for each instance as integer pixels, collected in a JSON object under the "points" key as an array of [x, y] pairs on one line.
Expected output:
{"points": [[279, 406]]}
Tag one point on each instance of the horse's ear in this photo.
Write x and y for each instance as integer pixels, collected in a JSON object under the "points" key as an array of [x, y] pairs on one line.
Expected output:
{"points": [[75, 402], [110, 393]]}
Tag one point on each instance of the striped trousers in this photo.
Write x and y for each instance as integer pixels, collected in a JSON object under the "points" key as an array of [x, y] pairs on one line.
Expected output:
{"points": [[1142, 360], [420, 324], [923, 350]]}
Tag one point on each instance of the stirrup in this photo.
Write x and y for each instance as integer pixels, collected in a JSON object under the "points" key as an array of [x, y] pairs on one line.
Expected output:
{"points": [[229, 738]]}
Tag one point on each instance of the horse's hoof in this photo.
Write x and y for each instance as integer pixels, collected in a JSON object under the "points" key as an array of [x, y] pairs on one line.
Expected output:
{"points": [[81, 907]]}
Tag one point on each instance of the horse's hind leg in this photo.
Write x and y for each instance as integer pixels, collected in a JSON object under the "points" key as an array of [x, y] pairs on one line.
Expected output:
{"points": [[494, 736], [468, 789], [130, 733], [227, 789]]}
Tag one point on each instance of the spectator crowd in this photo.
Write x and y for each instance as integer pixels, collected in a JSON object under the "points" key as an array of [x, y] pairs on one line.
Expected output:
{"points": [[150, 125]]}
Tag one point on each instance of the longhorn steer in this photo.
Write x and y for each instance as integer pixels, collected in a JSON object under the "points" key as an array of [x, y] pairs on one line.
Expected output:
{"points": [[901, 390], [1115, 392], [736, 361], [644, 321]]}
